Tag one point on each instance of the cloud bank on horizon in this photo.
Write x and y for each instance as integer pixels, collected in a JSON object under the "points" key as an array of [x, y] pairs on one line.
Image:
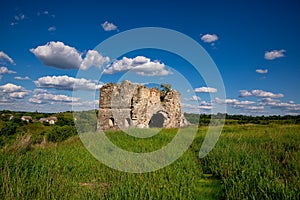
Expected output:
{"points": [[64, 57]]}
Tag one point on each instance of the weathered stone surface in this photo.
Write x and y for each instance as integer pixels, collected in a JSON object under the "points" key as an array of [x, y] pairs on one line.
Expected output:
{"points": [[128, 105]]}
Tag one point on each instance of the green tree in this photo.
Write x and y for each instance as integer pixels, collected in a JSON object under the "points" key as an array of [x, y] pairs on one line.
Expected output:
{"points": [[165, 87], [65, 119]]}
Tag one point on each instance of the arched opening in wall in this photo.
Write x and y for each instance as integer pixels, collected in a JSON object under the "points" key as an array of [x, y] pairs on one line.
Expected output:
{"points": [[157, 120], [127, 123], [111, 122]]}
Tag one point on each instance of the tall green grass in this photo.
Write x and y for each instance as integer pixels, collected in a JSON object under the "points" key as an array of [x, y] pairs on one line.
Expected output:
{"points": [[248, 162], [67, 170], [257, 162]]}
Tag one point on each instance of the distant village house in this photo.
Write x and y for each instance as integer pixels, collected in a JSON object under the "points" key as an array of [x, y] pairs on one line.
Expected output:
{"points": [[26, 118], [50, 120]]}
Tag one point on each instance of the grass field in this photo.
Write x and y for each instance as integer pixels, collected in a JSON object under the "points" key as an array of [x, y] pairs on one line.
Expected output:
{"points": [[248, 162]]}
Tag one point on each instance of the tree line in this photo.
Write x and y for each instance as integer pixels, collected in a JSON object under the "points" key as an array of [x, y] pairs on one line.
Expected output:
{"points": [[204, 119]]}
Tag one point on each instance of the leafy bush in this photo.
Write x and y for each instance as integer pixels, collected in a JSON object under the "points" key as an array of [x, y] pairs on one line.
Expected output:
{"points": [[8, 128], [58, 134]]}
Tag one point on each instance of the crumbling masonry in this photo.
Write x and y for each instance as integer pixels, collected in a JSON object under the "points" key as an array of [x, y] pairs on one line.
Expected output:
{"points": [[128, 105]]}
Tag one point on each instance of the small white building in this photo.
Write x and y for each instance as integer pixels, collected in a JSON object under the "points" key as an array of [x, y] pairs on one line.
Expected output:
{"points": [[26, 118], [50, 120]]}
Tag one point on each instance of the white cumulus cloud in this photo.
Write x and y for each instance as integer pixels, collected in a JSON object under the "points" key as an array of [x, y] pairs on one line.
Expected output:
{"points": [[233, 102], [267, 100], [9, 87], [244, 106], [202, 106], [289, 107], [66, 83], [206, 89], [4, 56], [59, 55], [208, 38], [205, 105], [108, 26], [11, 91], [193, 98], [140, 65], [253, 108], [271, 55], [48, 98], [93, 58], [4, 70], [52, 28], [260, 93], [245, 93], [39, 91], [26, 78], [19, 95], [262, 71]]}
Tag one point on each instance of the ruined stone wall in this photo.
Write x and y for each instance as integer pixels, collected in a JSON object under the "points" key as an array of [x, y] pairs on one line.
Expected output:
{"points": [[172, 105], [128, 105]]}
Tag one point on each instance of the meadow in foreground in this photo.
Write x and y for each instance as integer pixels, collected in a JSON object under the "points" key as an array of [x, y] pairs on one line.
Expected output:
{"points": [[248, 162]]}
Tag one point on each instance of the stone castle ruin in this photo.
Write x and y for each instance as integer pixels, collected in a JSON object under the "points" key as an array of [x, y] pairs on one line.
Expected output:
{"points": [[129, 105]]}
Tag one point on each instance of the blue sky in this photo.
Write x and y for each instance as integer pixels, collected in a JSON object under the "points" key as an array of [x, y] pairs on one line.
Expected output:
{"points": [[255, 45]]}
